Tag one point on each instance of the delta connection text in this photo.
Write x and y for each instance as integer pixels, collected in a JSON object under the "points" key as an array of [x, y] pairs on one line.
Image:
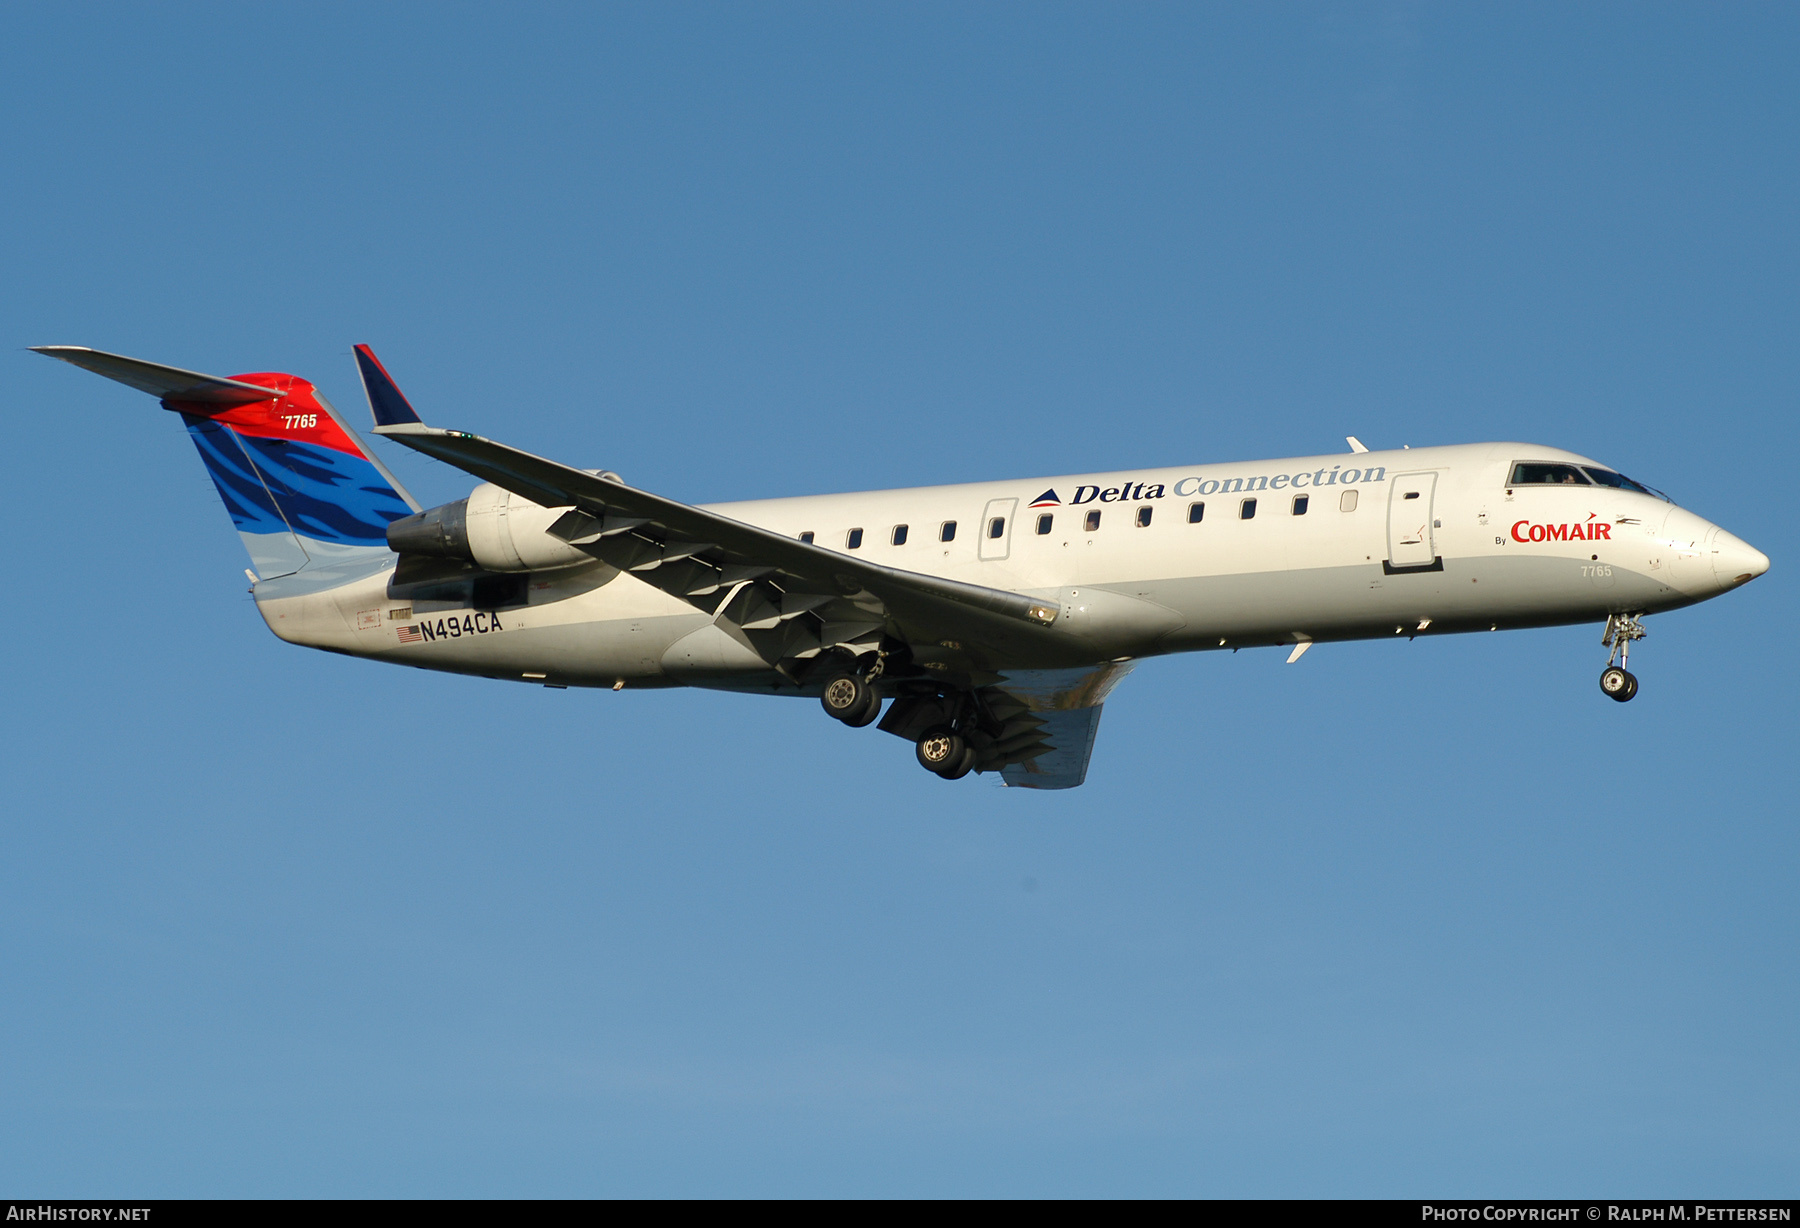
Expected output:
{"points": [[1136, 492]]}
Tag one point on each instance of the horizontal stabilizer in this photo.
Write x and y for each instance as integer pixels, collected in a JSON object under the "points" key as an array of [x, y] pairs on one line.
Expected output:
{"points": [[169, 383], [386, 401]]}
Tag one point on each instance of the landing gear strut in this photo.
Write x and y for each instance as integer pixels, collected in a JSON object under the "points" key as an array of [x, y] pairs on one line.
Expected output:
{"points": [[1615, 680]]}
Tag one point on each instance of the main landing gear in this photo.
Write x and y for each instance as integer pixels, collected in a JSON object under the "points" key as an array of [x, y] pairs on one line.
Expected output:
{"points": [[944, 751], [851, 700], [1615, 680], [940, 726]]}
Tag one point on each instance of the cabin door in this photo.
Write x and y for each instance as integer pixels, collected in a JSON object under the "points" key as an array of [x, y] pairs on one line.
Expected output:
{"points": [[1410, 539], [996, 529]]}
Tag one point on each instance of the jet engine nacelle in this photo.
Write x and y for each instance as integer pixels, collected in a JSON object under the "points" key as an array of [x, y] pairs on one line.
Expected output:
{"points": [[493, 528]]}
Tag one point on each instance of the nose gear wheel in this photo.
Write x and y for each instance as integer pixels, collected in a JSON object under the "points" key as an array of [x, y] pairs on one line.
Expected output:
{"points": [[1616, 681], [1618, 684]]}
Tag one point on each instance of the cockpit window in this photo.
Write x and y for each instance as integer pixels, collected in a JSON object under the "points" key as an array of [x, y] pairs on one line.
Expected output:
{"points": [[1536, 473], [1606, 477]]}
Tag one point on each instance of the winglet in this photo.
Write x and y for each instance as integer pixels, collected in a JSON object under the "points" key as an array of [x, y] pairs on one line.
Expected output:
{"points": [[1356, 445], [386, 402]]}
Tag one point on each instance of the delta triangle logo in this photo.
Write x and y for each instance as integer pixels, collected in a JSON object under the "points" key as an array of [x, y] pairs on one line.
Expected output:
{"points": [[1047, 499]]}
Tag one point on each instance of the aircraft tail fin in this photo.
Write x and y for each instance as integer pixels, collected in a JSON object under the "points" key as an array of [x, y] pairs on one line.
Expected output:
{"points": [[307, 497]]}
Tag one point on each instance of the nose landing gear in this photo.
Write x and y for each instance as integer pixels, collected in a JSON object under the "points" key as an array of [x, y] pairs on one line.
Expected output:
{"points": [[1616, 681]]}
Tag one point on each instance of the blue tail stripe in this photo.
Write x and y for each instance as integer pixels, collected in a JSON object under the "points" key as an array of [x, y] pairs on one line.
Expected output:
{"points": [[246, 499], [326, 495]]}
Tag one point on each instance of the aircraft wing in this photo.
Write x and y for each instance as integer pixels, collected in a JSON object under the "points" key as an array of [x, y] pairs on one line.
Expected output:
{"points": [[763, 580], [790, 600]]}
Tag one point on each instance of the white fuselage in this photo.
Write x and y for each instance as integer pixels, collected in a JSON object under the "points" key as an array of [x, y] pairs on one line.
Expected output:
{"points": [[1465, 552]]}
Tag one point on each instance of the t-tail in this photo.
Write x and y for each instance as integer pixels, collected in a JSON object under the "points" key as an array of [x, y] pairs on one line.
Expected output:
{"points": [[310, 501]]}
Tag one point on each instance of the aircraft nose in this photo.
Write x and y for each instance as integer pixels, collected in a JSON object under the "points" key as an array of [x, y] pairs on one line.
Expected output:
{"points": [[1736, 561]]}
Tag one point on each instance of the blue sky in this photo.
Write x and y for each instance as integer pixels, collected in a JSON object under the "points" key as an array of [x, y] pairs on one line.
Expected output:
{"points": [[1404, 919]]}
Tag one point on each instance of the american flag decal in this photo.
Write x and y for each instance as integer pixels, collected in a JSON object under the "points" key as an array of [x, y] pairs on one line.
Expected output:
{"points": [[408, 635]]}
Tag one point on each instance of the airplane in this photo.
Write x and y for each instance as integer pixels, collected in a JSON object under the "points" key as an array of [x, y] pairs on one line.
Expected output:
{"points": [[991, 620]]}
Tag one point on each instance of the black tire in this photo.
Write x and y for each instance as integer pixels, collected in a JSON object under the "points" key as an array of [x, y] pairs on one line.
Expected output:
{"points": [[963, 767], [847, 698], [1616, 684], [940, 747], [871, 711], [1630, 689]]}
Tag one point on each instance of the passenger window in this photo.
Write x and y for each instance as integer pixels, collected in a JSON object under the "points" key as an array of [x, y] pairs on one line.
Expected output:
{"points": [[947, 531], [1143, 516], [1300, 504], [807, 537], [1196, 513], [1532, 473], [899, 535], [1092, 522], [854, 540], [1347, 501], [997, 527], [1044, 523], [1247, 510]]}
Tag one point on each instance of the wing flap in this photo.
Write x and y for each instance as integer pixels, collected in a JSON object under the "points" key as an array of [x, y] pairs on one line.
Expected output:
{"points": [[1061, 758], [1050, 720]]}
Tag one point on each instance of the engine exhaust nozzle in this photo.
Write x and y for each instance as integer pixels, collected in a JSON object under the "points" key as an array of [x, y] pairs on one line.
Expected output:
{"points": [[440, 532]]}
